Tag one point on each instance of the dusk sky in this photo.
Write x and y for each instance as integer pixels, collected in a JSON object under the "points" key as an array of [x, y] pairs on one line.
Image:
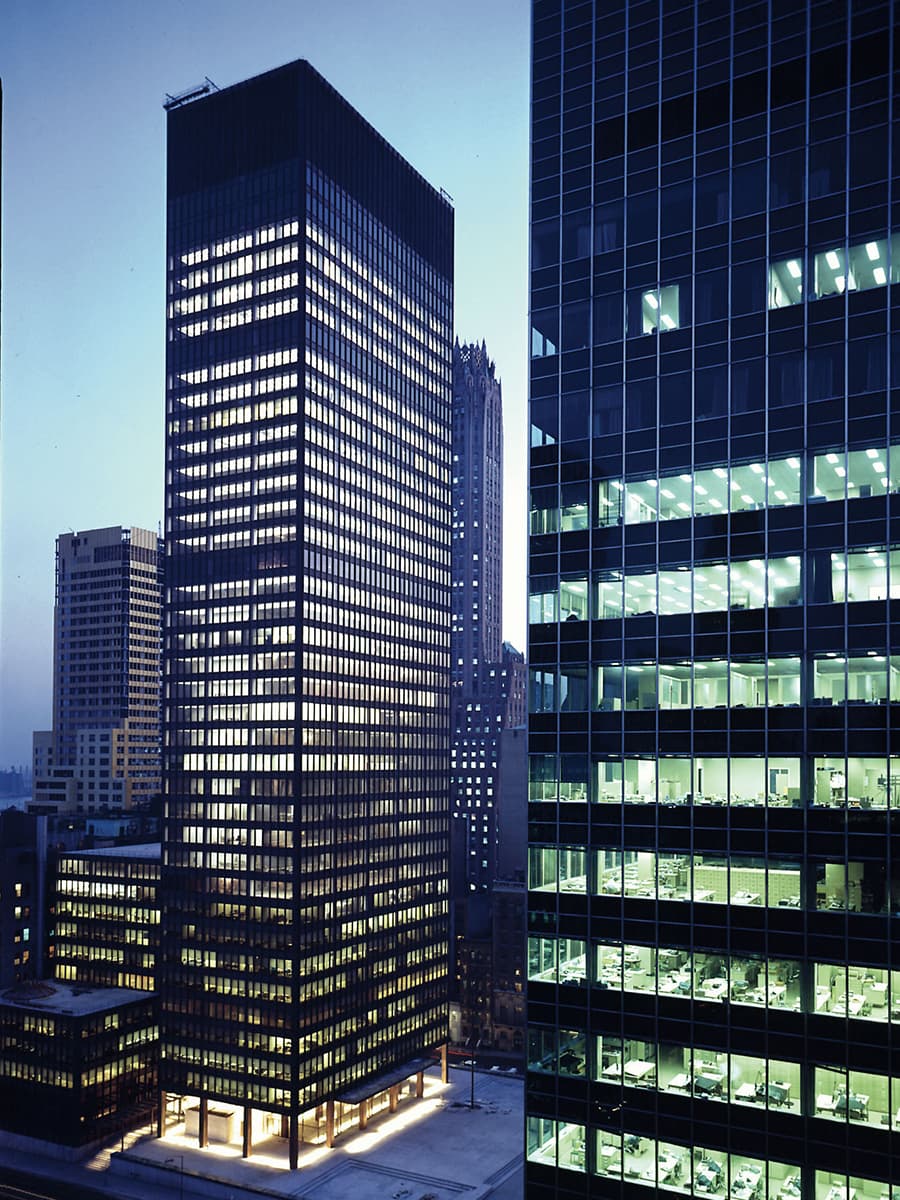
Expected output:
{"points": [[83, 219]]}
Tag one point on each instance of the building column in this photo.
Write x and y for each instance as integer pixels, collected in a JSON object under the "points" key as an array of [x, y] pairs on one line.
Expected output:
{"points": [[329, 1123], [393, 1097], [293, 1141], [162, 1100], [363, 1113], [247, 1132], [444, 1075], [203, 1123]]}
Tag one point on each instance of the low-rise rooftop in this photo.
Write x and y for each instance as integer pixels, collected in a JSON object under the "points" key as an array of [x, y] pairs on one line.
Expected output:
{"points": [[67, 999]]}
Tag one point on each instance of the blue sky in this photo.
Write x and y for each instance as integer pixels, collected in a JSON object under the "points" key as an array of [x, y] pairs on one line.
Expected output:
{"points": [[81, 425]]}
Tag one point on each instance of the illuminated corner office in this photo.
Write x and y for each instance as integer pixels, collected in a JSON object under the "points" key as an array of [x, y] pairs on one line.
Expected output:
{"points": [[303, 970], [714, 778]]}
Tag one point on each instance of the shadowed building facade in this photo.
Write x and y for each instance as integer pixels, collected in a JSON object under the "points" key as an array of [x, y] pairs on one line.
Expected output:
{"points": [[103, 752], [715, 507], [304, 879]]}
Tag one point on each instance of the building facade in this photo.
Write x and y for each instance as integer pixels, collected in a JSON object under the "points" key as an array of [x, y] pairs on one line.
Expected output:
{"points": [[714, 465], [105, 917], [76, 1065], [103, 752], [488, 688], [22, 855], [304, 883]]}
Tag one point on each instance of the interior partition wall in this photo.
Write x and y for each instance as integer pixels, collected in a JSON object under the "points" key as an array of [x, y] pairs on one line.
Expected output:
{"points": [[714, 560]]}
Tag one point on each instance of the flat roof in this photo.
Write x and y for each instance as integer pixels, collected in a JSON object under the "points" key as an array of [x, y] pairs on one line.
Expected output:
{"points": [[67, 999], [138, 850]]}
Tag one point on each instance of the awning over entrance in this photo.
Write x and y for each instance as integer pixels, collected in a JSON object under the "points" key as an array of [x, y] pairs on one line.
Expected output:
{"points": [[388, 1079]]}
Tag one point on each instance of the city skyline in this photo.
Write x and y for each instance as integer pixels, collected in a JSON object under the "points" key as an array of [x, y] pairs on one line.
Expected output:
{"points": [[78, 253]]}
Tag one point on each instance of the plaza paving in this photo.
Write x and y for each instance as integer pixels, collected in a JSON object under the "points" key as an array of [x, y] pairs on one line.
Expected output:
{"points": [[436, 1148]]}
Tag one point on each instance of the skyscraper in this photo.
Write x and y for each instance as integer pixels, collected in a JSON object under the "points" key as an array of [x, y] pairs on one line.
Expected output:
{"points": [[104, 749], [304, 882], [712, 962], [477, 514], [486, 677], [478, 683]]}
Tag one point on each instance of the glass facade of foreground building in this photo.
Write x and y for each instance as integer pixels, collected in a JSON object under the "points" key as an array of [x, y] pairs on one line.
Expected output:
{"points": [[304, 875], [714, 560]]}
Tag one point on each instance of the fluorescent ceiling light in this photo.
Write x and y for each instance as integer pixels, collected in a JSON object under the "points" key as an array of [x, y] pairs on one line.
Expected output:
{"points": [[872, 250], [832, 259], [794, 269], [880, 277], [650, 298]]}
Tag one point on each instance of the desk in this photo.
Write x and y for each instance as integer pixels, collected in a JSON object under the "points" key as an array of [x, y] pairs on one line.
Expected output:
{"points": [[743, 1189], [746, 1183], [571, 1063], [746, 1092], [679, 1083], [856, 1105], [610, 1161], [715, 989], [779, 1092], [777, 992], [676, 983], [746, 898], [839, 1192], [708, 1085], [707, 1176], [877, 993], [704, 895], [639, 1069], [825, 1104], [790, 1189], [669, 1165]]}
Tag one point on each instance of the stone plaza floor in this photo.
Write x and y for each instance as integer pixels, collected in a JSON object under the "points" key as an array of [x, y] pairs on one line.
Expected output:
{"points": [[434, 1148]]}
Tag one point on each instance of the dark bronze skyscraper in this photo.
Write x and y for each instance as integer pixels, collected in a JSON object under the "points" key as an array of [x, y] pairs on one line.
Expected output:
{"points": [[304, 884], [714, 689]]}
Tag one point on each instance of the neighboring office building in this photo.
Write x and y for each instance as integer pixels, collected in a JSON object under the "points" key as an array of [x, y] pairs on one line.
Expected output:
{"points": [[22, 856], [76, 1065], [714, 478], [105, 923], [488, 693], [103, 752], [477, 711], [304, 886]]}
